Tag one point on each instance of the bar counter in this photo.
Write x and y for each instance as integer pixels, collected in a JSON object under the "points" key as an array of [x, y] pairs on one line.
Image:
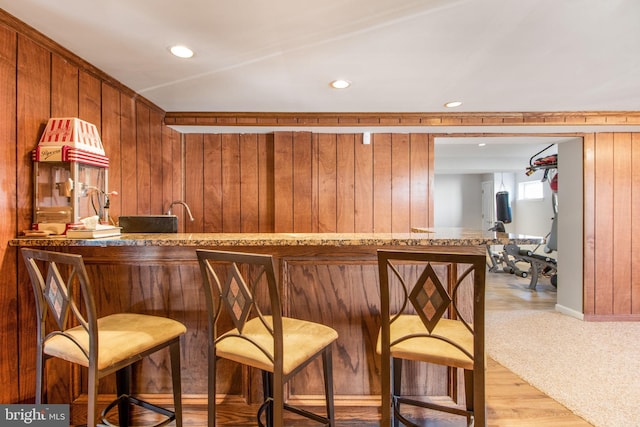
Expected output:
{"points": [[328, 278]]}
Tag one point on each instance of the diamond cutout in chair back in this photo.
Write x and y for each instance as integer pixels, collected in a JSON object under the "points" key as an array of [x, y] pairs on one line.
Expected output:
{"points": [[57, 295], [430, 298], [237, 297]]}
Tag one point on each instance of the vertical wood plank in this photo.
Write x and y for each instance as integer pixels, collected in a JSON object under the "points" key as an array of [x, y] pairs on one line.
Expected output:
{"points": [[168, 177], [420, 178], [128, 159], [231, 183], [345, 183], [156, 166], [589, 182], [283, 181], [604, 219], [431, 173], [400, 183], [9, 331], [212, 192], [111, 141], [327, 179], [64, 88], [363, 182], [382, 193], [90, 99], [33, 110], [635, 223], [249, 179], [143, 164], [622, 223], [194, 173], [266, 184], [302, 166]]}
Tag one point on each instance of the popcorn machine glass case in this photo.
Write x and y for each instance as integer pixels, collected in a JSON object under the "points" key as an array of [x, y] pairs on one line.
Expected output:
{"points": [[70, 174]]}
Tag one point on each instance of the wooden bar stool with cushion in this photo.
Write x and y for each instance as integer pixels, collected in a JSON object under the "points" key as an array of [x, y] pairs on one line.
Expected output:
{"points": [[432, 310], [103, 345], [245, 285]]}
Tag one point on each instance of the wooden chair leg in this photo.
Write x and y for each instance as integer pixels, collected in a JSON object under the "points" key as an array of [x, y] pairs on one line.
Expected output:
{"points": [[327, 368], [176, 376]]}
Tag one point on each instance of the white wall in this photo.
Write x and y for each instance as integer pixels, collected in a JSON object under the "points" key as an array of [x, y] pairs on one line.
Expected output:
{"points": [[458, 200]]}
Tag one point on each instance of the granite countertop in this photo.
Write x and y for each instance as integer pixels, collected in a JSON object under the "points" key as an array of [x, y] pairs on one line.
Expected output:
{"points": [[418, 237]]}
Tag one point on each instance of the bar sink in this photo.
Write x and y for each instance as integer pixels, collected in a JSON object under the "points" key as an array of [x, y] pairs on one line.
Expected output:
{"points": [[149, 223]]}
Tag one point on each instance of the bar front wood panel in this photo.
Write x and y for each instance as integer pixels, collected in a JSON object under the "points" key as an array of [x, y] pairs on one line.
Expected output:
{"points": [[332, 285]]}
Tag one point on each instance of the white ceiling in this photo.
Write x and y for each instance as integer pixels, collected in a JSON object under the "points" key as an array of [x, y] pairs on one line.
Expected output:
{"points": [[401, 55]]}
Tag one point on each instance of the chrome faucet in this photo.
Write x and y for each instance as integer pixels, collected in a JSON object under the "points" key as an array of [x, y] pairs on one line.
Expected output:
{"points": [[180, 202]]}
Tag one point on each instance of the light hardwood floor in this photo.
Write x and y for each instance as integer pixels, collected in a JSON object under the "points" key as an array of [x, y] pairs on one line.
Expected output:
{"points": [[511, 402]]}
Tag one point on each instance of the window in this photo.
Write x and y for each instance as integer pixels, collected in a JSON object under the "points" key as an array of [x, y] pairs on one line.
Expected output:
{"points": [[530, 190]]}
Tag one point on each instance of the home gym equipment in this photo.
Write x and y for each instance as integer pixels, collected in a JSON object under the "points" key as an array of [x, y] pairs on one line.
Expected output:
{"points": [[511, 255]]}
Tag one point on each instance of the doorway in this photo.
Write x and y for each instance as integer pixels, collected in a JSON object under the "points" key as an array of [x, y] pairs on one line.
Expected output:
{"points": [[482, 161]]}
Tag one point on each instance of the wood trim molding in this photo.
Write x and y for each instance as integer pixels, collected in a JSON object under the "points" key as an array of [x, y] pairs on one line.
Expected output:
{"points": [[580, 118]]}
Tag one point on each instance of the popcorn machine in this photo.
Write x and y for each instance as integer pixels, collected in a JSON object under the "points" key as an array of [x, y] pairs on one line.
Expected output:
{"points": [[69, 175]]}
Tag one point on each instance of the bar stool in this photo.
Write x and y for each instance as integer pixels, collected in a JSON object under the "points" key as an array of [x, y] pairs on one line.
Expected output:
{"points": [[432, 310], [106, 345], [262, 338]]}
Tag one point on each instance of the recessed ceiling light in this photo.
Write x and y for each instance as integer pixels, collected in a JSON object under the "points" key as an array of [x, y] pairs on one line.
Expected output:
{"points": [[340, 84], [482, 144], [453, 104], [181, 51]]}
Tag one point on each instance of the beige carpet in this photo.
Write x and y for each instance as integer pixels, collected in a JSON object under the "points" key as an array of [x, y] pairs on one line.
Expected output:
{"points": [[592, 368]]}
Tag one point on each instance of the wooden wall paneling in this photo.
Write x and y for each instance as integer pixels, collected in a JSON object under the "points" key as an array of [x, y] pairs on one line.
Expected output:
{"points": [[9, 342], [212, 184], [194, 177], [249, 184], [64, 88], [382, 176], [266, 182], [432, 156], [421, 174], [363, 182], [157, 173], [231, 189], [33, 109], [604, 238], [589, 183], [170, 164], [283, 182], [345, 183], [302, 177], [327, 183], [635, 223], [90, 99], [177, 168], [622, 223], [143, 164], [128, 156], [110, 136], [400, 183]]}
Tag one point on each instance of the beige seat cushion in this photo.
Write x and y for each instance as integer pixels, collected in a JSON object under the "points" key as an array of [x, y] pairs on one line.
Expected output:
{"points": [[120, 336], [301, 340], [430, 349]]}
